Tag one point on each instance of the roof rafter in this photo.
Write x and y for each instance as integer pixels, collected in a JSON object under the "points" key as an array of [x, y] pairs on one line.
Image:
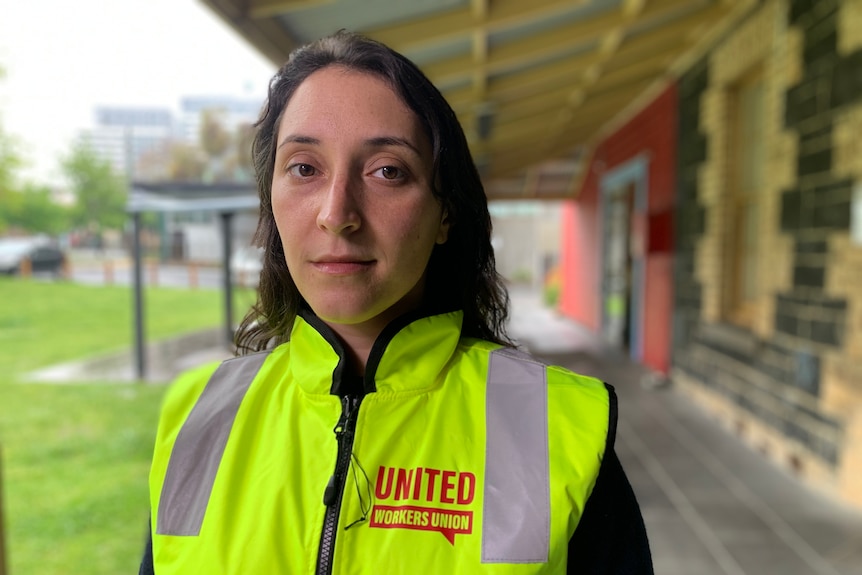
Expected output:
{"points": [[259, 9], [537, 125], [459, 22], [535, 50]]}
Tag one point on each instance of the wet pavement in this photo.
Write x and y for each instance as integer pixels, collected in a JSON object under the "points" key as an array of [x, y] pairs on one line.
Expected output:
{"points": [[712, 505]]}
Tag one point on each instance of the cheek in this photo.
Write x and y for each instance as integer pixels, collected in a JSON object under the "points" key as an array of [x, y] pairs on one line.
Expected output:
{"points": [[420, 233], [284, 226], [280, 211]]}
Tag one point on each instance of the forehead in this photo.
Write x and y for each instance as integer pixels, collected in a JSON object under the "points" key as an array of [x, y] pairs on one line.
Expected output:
{"points": [[337, 91]]}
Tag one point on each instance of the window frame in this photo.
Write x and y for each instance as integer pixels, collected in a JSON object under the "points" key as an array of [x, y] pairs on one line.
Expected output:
{"points": [[746, 162]]}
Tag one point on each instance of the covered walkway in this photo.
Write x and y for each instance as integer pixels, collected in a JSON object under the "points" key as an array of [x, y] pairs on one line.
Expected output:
{"points": [[712, 505]]}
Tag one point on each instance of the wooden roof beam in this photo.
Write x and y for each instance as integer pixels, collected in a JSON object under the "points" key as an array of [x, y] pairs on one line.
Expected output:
{"points": [[545, 127], [259, 9], [457, 23], [516, 160], [531, 51], [530, 81], [648, 69], [265, 35], [480, 47]]}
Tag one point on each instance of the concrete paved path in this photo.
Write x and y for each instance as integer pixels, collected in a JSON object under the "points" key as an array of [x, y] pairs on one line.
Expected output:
{"points": [[712, 505]]}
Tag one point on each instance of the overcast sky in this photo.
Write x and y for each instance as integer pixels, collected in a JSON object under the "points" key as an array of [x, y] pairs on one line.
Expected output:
{"points": [[62, 58]]}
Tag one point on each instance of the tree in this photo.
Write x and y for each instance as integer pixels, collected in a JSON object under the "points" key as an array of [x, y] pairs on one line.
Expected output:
{"points": [[29, 208], [172, 160], [100, 192], [34, 210], [215, 139], [9, 164], [244, 138], [187, 163]]}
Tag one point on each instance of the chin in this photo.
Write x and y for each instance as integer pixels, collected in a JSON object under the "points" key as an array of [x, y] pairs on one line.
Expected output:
{"points": [[372, 318], [344, 315]]}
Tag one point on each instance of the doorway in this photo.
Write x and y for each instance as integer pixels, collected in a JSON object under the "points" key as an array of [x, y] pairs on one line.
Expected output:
{"points": [[623, 198], [617, 268]]}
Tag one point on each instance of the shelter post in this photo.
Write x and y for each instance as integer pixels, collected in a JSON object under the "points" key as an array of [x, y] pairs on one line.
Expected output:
{"points": [[138, 279], [227, 249], [3, 570]]}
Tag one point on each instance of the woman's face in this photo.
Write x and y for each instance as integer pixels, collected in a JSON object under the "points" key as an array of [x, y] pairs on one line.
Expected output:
{"points": [[352, 200]]}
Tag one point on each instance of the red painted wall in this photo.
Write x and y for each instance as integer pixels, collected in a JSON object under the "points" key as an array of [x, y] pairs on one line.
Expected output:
{"points": [[652, 133], [579, 262]]}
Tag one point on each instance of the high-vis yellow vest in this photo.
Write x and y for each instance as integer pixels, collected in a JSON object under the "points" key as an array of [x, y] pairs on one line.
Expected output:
{"points": [[463, 457]]}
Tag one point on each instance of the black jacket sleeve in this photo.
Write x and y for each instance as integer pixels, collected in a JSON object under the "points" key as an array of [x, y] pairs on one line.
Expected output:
{"points": [[610, 538], [146, 567]]}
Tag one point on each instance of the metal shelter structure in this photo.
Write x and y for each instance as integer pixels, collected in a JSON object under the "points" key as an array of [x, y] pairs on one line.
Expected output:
{"points": [[225, 199]]}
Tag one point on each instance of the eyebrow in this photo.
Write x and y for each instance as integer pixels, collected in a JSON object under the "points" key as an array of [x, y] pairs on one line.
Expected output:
{"points": [[377, 142], [384, 141], [299, 139]]}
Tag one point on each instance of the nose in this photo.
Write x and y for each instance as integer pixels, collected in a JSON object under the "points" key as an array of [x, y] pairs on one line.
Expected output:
{"points": [[339, 210]]}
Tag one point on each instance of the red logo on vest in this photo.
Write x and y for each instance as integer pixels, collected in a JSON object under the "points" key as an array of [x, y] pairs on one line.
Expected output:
{"points": [[424, 485]]}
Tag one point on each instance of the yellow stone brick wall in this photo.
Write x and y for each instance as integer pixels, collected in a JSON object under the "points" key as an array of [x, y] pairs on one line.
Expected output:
{"points": [[847, 143], [763, 40], [844, 280], [850, 26], [850, 479], [842, 377], [775, 446]]}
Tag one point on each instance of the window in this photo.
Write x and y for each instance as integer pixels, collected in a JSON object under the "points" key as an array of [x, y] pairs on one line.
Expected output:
{"points": [[746, 165]]}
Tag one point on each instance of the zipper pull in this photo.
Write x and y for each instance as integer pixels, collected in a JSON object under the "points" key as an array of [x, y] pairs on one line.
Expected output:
{"points": [[348, 405], [329, 494], [348, 408]]}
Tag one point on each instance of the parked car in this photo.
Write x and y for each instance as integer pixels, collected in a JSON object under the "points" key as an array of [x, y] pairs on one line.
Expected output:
{"points": [[245, 265], [42, 255]]}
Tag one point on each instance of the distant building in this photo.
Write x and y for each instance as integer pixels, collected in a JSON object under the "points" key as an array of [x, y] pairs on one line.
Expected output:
{"points": [[526, 246], [234, 113], [146, 139], [123, 135]]}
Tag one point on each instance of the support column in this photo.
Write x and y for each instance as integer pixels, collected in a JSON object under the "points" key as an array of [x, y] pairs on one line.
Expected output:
{"points": [[3, 570], [137, 281], [227, 250]]}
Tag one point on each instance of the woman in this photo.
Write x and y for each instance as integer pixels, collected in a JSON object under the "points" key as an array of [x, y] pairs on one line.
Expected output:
{"points": [[378, 420]]}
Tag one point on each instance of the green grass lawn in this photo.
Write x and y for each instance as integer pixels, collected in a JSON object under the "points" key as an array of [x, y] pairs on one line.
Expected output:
{"points": [[76, 456]]}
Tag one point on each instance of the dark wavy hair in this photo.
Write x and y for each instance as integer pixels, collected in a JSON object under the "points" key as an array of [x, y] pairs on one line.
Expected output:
{"points": [[461, 273]]}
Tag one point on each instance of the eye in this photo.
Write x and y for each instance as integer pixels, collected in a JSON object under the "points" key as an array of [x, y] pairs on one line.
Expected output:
{"points": [[302, 170], [389, 173]]}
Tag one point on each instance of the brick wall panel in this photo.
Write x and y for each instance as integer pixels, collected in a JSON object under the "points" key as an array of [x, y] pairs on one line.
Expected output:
{"points": [[785, 383], [850, 27]]}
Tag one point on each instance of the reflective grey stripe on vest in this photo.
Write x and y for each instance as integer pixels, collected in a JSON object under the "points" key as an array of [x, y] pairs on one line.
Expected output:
{"points": [[516, 524], [200, 445]]}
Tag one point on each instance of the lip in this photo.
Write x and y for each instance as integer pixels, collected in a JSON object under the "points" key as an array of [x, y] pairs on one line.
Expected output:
{"points": [[341, 265]]}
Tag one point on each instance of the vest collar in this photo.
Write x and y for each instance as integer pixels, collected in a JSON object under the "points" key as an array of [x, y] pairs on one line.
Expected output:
{"points": [[407, 356]]}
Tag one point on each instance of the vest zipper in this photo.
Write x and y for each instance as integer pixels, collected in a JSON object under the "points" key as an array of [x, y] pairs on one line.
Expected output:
{"points": [[334, 492]]}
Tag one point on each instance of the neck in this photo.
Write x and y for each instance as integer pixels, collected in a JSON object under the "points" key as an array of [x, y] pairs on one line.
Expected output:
{"points": [[359, 338]]}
